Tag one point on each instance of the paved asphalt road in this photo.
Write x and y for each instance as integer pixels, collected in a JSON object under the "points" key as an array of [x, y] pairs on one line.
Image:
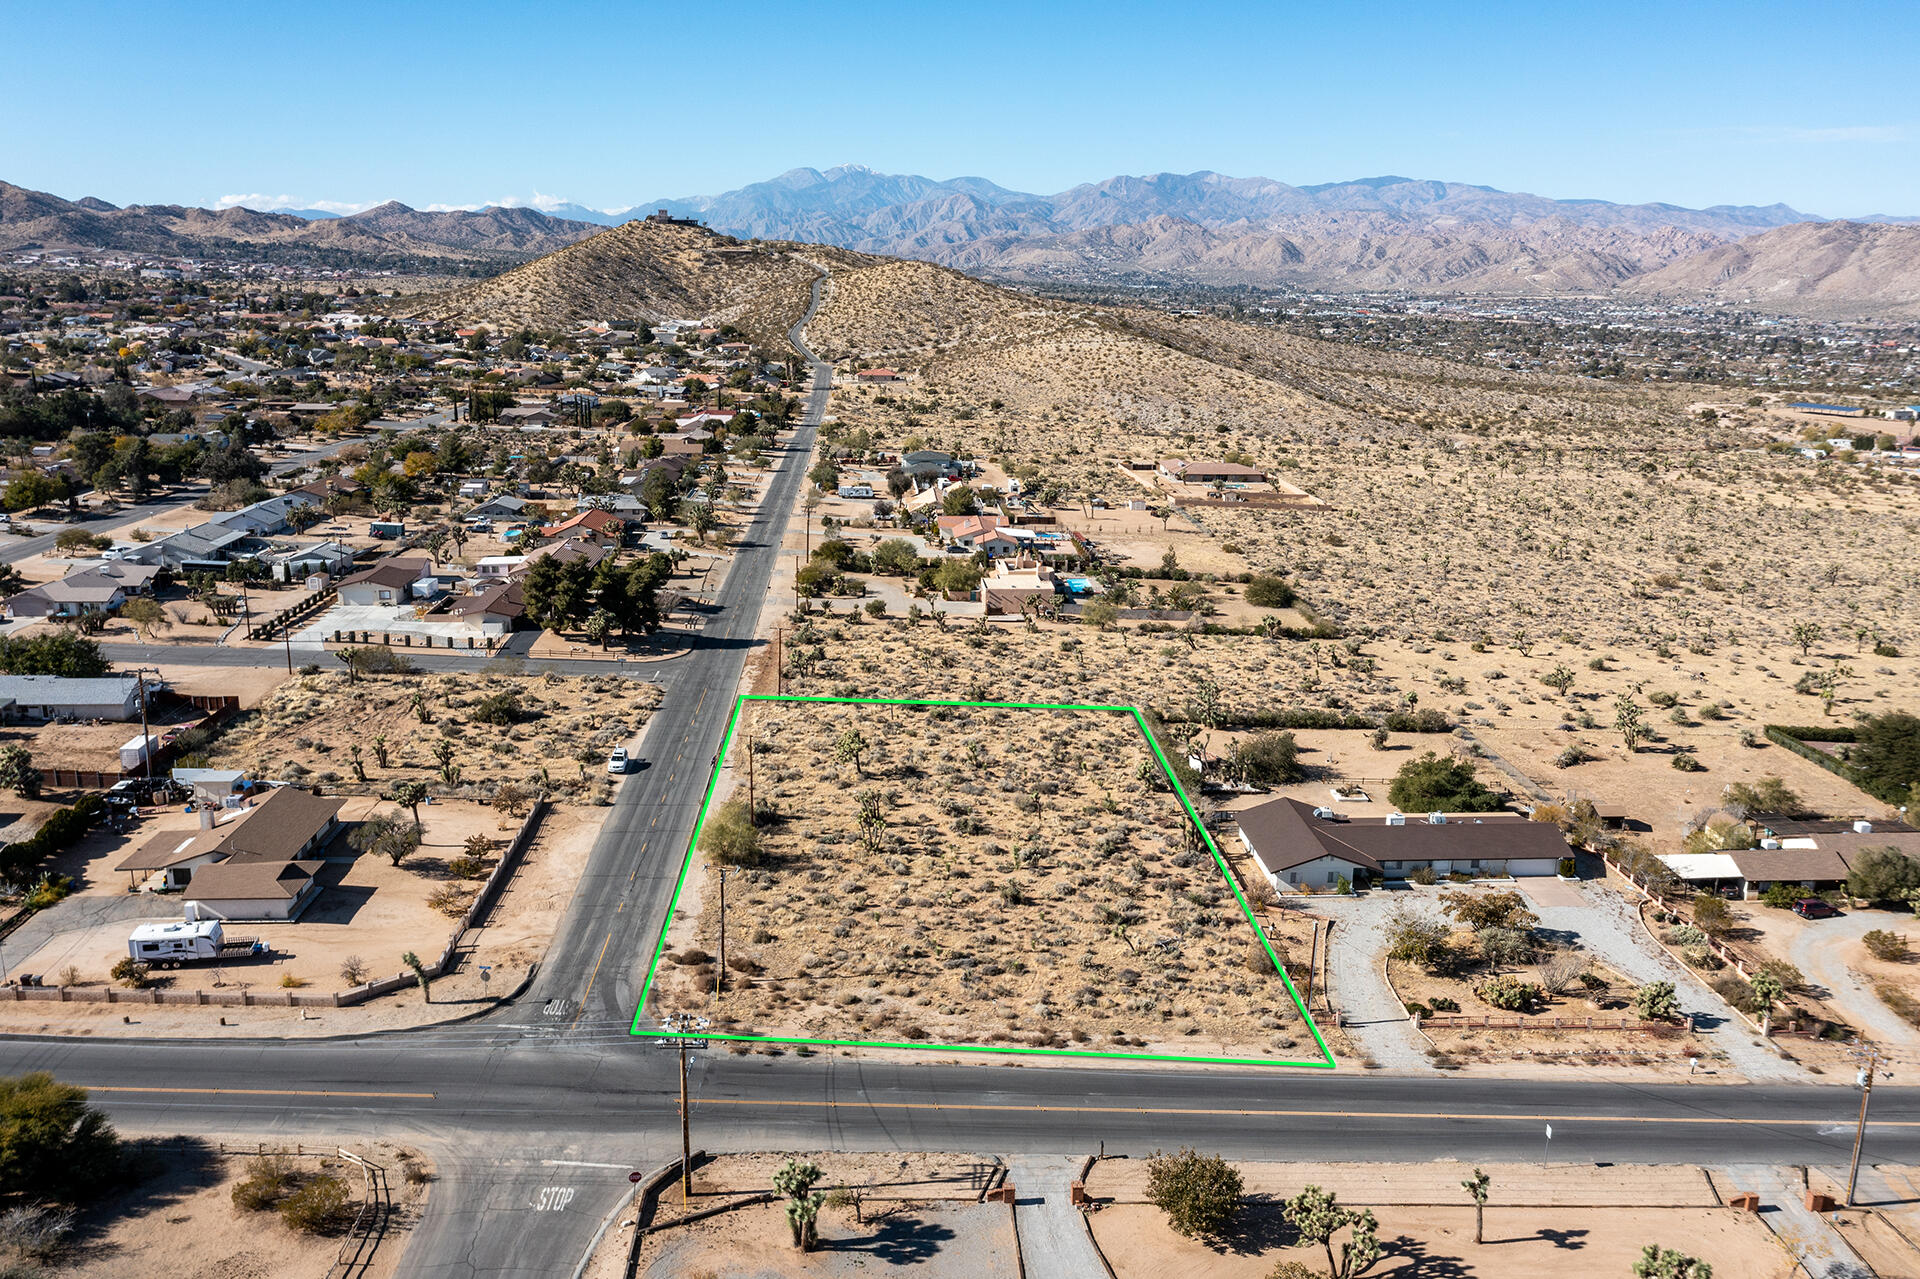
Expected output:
{"points": [[536, 1112]]}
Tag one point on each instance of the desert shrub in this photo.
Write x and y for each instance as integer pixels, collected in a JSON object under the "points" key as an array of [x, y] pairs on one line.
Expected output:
{"points": [[1781, 895], [467, 866], [1269, 592], [1687, 935], [130, 972], [1711, 914], [1415, 940], [1900, 1002], [449, 899], [1566, 868], [1433, 783], [1882, 944], [1656, 1001], [1510, 993], [1423, 875], [1199, 1193], [1504, 945], [318, 1205], [354, 970], [1791, 979], [269, 1179], [53, 1145], [1688, 764], [501, 709], [730, 838], [1663, 699], [1569, 757], [1481, 911], [1768, 795], [1704, 958], [1271, 759], [1444, 1004], [34, 1232]]}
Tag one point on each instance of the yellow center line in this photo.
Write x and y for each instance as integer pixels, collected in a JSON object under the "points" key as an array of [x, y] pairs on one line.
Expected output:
{"points": [[259, 1092], [590, 976], [1291, 1114]]}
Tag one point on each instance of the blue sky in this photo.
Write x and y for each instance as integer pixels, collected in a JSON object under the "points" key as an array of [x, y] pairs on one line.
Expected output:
{"points": [[612, 104]]}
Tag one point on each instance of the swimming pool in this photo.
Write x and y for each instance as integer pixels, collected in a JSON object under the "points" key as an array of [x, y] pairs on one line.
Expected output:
{"points": [[1079, 585]]}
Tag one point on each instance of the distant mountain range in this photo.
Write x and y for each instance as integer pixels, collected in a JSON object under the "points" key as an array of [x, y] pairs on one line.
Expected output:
{"points": [[1387, 233], [389, 236]]}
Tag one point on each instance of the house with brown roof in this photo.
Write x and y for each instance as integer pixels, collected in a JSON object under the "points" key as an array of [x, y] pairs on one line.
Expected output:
{"points": [[591, 524], [265, 866], [1812, 854], [389, 581], [1298, 846]]}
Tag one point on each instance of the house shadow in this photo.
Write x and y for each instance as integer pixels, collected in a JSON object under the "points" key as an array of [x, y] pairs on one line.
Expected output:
{"points": [[337, 903], [897, 1241]]}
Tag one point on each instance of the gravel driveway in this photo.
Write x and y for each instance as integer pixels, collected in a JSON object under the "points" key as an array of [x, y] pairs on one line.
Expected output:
{"points": [[1604, 922], [1815, 950]]}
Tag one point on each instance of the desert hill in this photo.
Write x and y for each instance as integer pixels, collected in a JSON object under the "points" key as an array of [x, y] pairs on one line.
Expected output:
{"points": [[651, 271], [1825, 266], [391, 236]]}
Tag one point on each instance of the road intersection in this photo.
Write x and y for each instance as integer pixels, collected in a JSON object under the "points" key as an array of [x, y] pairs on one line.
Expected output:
{"points": [[536, 1112]]}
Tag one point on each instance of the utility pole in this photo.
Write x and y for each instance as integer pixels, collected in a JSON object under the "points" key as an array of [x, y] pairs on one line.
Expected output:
{"points": [[752, 820], [286, 633], [779, 668], [720, 973], [146, 737], [686, 1132], [1313, 954], [1865, 1080]]}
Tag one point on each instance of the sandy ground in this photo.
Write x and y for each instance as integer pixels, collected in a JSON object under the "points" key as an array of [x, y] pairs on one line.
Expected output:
{"points": [[372, 910], [1523, 1243], [1029, 888], [919, 1212], [181, 1221], [311, 726], [1540, 1219]]}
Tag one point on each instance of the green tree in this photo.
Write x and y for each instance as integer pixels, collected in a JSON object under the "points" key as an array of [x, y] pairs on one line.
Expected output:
{"points": [[957, 500], [700, 517], [53, 1145], [55, 653], [1199, 1193], [1768, 795], [387, 836], [1316, 1216], [1667, 1263], [1433, 783], [1883, 874], [1559, 679], [1805, 636], [148, 616], [32, 490], [895, 555], [1416, 940], [1886, 753], [1477, 1187], [1099, 613], [17, 772]]}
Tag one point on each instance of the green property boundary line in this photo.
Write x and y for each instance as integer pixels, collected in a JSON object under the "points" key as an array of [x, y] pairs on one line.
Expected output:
{"points": [[1326, 1061]]}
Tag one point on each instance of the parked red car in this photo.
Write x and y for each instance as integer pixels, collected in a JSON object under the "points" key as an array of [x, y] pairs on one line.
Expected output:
{"points": [[1815, 908]]}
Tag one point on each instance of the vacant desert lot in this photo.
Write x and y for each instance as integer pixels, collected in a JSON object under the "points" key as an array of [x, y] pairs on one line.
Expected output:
{"points": [[976, 876]]}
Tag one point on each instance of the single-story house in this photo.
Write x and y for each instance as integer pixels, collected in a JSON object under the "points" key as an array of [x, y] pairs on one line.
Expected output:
{"points": [[876, 375], [1813, 854], [75, 595], [394, 580], [601, 526], [235, 889], [527, 415], [1014, 582], [928, 464], [42, 697], [495, 610], [980, 533], [173, 857], [1296, 846], [504, 508], [1205, 472]]}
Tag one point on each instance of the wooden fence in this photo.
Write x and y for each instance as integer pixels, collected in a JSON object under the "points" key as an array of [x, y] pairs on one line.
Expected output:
{"points": [[1447, 1022], [292, 615]]}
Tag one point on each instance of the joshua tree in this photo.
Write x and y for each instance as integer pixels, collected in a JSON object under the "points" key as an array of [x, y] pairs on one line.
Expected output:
{"points": [[795, 1179], [849, 748], [1559, 679], [412, 961], [1805, 636], [1477, 1186], [409, 795]]}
